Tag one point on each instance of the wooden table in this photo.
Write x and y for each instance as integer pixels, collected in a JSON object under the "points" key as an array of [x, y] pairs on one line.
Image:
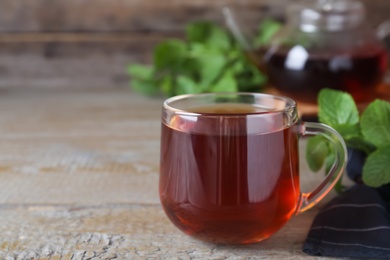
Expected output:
{"points": [[79, 180]]}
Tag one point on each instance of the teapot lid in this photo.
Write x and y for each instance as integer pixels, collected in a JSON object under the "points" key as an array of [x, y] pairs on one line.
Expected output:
{"points": [[329, 15]]}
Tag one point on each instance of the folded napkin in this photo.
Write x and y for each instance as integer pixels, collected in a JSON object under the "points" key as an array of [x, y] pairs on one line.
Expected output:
{"points": [[355, 224]]}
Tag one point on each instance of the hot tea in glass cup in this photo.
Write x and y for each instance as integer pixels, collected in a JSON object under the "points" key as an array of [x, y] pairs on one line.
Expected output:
{"points": [[229, 170]]}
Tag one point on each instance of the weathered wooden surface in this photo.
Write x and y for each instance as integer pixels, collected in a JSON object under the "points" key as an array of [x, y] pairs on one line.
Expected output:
{"points": [[79, 180], [138, 15], [72, 60], [126, 232], [60, 43]]}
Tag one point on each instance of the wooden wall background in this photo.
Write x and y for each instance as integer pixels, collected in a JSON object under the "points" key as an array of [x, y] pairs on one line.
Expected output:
{"points": [[87, 43]]}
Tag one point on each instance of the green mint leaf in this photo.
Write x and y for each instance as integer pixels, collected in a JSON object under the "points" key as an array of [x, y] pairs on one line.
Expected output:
{"points": [[211, 69], [170, 55], [189, 68], [145, 87], [140, 71], [375, 123], [348, 131], [360, 143], [239, 66], [167, 86], [337, 108], [257, 78], [210, 62], [268, 28], [186, 85], [317, 150], [227, 83], [249, 79], [376, 170], [209, 34]]}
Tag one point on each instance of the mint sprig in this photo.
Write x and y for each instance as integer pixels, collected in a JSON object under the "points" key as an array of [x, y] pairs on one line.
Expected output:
{"points": [[368, 132], [209, 60]]}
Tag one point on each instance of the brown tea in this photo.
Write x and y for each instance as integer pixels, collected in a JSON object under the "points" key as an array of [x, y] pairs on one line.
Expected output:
{"points": [[222, 182], [359, 73]]}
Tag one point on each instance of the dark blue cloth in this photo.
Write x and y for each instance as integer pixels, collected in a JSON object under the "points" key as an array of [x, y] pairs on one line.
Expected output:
{"points": [[355, 224]]}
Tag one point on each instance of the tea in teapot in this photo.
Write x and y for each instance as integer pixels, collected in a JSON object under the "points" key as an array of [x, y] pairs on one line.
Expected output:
{"points": [[325, 44]]}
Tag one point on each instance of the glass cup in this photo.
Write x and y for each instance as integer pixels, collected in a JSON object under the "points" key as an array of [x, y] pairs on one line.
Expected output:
{"points": [[229, 171]]}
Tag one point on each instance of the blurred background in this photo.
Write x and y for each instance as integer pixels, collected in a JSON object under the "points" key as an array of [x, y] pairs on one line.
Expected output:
{"points": [[88, 43]]}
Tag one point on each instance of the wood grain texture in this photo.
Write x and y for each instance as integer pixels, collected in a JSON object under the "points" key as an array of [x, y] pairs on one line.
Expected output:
{"points": [[137, 15], [127, 233], [116, 15], [79, 180], [57, 43], [67, 145], [71, 59]]}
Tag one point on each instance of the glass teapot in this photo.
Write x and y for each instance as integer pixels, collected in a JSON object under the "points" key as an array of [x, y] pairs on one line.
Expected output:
{"points": [[324, 44]]}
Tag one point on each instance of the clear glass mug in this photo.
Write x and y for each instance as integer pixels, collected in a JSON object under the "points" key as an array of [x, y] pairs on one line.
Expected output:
{"points": [[229, 169]]}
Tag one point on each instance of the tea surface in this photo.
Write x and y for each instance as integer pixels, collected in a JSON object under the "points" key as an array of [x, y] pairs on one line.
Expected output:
{"points": [[228, 109]]}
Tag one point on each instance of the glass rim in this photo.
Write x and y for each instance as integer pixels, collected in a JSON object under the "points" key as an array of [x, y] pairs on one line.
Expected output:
{"points": [[289, 103]]}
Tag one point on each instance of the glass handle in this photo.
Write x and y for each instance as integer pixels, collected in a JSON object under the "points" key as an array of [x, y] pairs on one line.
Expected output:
{"points": [[308, 200]]}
